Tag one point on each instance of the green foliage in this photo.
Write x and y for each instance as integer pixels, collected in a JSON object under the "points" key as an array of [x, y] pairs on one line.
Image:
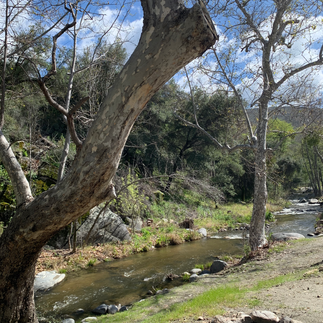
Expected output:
{"points": [[186, 277], [130, 201], [270, 217], [91, 262]]}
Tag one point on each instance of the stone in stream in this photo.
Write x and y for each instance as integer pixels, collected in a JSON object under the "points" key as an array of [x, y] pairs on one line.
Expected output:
{"points": [[202, 232], [112, 309], [217, 266], [195, 270], [311, 234], [286, 236], [79, 311], [264, 317], [47, 279], [101, 309], [123, 308], [313, 201], [68, 321], [302, 200], [194, 278]]}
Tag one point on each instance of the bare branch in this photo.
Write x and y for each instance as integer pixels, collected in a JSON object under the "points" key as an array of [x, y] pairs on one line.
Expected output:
{"points": [[237, 94], [50, 99]]}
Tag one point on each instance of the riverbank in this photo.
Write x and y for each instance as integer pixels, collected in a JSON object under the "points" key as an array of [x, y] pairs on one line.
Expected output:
{"points": [[163, 232], [286, 279]]}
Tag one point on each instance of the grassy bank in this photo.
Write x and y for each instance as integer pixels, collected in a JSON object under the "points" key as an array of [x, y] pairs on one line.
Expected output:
{"points": [[163, 232], [243, 288]]}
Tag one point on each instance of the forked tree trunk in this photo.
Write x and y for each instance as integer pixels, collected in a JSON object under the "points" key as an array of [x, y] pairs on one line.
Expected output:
{"points": [[257, 236], [172, 36]]}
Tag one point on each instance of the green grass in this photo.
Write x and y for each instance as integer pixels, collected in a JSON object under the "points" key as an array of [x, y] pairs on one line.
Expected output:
{"points": [[210, 303]]}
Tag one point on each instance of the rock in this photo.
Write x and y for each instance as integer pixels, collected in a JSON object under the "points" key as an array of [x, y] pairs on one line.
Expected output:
{"points": [[135, 223], [112, 309], [204, 272], [43, 320], [79, 311], [68, 321], [313, 201], [101, 309], [194, 278], [217, 266], [89, 319], [311, 234], [202, 232], [303, 200], [162, 291], [185, 273], [244, 318], [264, 317], [47, 279], [108, 228], [123, 308], [286, 236], [195, 270]]}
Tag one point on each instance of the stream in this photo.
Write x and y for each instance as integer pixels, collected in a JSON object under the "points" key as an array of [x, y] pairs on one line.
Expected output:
{"points": [[128, 280]]}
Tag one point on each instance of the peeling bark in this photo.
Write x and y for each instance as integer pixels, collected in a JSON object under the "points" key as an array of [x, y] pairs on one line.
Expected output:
{"points": [[172, 36]]}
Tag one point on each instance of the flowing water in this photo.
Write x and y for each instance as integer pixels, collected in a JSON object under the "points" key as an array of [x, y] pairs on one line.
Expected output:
{"points": [[127, 280]]}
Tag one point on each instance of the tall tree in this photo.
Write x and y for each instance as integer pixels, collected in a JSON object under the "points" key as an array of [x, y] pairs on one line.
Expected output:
{"points": [[268, 56], [172, 36]]}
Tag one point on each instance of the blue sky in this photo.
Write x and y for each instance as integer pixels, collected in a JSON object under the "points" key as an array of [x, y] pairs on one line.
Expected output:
{"points": [[127, 25]]}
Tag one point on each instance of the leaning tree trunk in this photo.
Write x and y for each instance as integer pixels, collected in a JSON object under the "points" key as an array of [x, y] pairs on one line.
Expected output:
{"points": [[257, 236], [172, 36]]}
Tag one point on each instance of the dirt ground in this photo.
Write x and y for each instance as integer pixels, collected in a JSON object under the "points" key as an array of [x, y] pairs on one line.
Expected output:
{"points": [[300, 300]]}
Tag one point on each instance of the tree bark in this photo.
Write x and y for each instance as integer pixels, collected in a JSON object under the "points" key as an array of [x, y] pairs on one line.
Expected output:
{"points": [[257, 236], [172, 36]]}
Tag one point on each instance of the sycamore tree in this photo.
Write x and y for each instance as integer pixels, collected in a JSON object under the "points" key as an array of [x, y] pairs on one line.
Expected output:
{"points": [[172, 36], [269, 56]]}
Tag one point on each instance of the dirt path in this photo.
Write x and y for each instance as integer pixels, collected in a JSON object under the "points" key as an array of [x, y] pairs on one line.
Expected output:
{"points": [[301, 300]]}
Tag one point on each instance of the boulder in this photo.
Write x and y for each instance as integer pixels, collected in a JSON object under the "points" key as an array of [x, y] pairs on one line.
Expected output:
{"points": [[112, 309], [79, 311], [162, 291], [195, 271], [244, 318], [108, 228], [68, 321], [47, 279], [264, 317], [101, 309], [135, 223], [194, 278], [313, 201], [123, 308], [303, 200], [217, 266], [202, 232], [286, 236]]}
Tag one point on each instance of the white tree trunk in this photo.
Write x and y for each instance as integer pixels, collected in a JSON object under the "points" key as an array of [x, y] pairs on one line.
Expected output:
{"points": [[257, 236]]}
